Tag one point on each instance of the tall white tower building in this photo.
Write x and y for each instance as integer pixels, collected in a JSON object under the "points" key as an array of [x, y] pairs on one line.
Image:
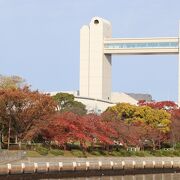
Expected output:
{"points": [[96, 48], [95, 66]]}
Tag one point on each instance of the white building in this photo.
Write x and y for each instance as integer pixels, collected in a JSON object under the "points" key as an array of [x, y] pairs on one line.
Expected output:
{"points": [[96, 48], [99, 105]]}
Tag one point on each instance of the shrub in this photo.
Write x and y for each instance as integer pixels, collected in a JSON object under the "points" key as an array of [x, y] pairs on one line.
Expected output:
{"points": [[157, 153], [42, 150], [114, 153], [72, 146], [57, 152], [122, 153], [178, 146], [166, 145], [103, 153], [78, 153], [176, 153], [96, 153], [167, 153]]}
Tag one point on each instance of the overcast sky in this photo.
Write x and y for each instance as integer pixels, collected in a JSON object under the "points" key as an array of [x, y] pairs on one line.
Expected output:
{"points": [[39, 41]]}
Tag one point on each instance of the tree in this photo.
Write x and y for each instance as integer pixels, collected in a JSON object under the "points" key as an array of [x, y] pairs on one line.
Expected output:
{"points": [[151, 136], [138, 134], [121, 111], [69, 127], [175, 127], [166, 105], [173, 109], [11, 82], [127, 135], [24, 112], [145, 114], [66, 103]]}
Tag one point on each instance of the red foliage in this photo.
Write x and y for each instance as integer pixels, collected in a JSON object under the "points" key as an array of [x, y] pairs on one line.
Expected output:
{"points": [[166, 105], [137, 134], [69, 127], [176, 114], [126, 134], [175, 126], [155, 136]]}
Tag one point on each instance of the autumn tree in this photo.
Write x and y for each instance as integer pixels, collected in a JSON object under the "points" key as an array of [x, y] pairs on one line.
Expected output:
{"points": [[66, 103], [101, 131], [166, 105], [159, 119], [175, 127], [68, 127], [11, 82], [127, 135], [23, 112], [173, 109], [152, 137]]}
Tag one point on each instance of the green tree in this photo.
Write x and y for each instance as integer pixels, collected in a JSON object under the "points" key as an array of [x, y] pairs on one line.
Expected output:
{"points": [[64, 100], [66, 103]]}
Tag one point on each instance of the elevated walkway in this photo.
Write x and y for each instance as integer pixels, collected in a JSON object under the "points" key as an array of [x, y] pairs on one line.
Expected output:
{"points": [[133, 46]]}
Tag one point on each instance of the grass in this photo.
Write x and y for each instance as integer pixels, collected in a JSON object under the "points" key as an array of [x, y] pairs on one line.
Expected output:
{"points": [[96, 153], [32, 154]]}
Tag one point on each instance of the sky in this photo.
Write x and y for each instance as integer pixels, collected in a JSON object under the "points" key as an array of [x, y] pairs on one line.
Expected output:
{"points": [[39, 41]]}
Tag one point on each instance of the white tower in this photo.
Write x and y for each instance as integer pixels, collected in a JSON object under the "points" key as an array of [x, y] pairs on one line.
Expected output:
{"points": [[95, 66], [97, 46]]}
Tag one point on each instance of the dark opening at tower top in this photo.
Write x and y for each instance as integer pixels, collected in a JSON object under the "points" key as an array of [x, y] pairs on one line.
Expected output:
{"points": [[96, 21]]}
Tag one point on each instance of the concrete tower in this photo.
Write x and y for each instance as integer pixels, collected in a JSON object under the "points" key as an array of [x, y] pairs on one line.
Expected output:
{"points": [[97, 46], [95, 66]]}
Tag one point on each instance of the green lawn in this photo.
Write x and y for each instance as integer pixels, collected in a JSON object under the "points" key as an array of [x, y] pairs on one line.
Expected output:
{"points": [[95, 153]]}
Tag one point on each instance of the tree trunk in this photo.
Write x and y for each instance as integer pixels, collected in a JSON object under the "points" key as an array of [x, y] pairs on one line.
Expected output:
{"points": [[9, 133], [19, 145], [154, 145], [107, 148], [16, 139], [65, 146], [0, 139], [173, 140]]}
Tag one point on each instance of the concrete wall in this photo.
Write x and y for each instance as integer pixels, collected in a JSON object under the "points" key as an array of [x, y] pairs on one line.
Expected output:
{"points": [[97, 167]]}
